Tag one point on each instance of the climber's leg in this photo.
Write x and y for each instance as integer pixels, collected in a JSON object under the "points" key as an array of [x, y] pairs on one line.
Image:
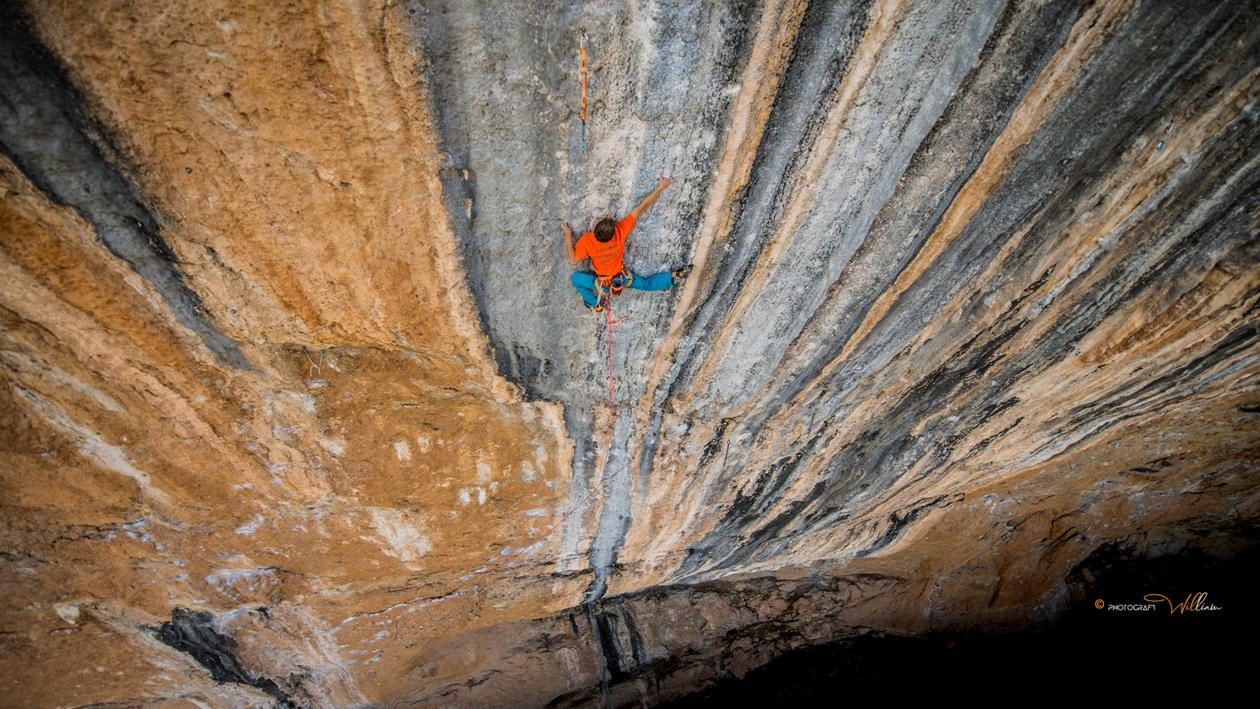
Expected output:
{"points": [[585, 284], [656, 281]]}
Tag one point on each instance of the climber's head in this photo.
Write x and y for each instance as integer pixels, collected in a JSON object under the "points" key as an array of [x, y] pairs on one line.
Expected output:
{"points": [[605, 229]]}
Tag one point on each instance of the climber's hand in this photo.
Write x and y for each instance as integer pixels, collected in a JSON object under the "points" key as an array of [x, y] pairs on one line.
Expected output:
{"points": [[650, 199], [568, 242]]}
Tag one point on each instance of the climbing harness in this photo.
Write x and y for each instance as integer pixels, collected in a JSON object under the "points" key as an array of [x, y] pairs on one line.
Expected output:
{"points": [[582, 81], [614, 284]]}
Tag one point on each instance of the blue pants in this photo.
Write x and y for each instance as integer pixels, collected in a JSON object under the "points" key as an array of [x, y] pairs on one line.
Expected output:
{"points": [[585, 284]]}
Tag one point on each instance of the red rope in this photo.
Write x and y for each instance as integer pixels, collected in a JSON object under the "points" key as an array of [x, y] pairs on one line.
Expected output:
{"points": [[608, 310]]}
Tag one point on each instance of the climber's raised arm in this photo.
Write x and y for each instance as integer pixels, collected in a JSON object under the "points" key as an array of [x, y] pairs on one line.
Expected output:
{"points": [[642, 207]]}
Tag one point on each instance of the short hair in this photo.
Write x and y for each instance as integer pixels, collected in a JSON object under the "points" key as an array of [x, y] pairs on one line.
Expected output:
{"points": [[605, 229]]}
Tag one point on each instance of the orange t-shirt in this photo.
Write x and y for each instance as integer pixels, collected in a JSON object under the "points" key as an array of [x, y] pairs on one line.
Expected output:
{"points": [[606, 257]]}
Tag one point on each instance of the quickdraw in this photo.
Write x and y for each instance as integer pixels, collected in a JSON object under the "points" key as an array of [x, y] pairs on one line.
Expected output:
{"points": [[583, 79]]}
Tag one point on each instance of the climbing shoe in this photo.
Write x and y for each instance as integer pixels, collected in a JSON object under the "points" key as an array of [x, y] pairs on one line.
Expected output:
{"points": [[681, 272]]}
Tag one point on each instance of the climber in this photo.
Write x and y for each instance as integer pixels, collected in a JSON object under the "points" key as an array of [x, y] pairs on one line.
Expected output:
{"points": [[605, 247]]}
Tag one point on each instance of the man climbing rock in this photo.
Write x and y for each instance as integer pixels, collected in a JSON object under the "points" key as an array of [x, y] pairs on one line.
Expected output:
{"points": [[605, 247]]}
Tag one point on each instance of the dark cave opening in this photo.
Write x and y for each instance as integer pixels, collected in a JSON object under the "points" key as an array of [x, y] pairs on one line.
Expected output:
{"points": [[1188, 643]]}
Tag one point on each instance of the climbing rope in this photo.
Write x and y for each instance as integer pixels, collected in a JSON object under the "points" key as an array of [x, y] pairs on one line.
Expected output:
{"points": [[605, 290], [608, 311], [583, 78], [608, 288]]}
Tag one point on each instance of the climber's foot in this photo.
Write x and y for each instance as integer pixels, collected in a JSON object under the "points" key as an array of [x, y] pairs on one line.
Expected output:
{"points": [[681, 272]]}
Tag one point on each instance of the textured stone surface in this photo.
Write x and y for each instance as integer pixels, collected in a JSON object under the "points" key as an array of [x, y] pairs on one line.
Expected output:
{"points": [[299, 405]]}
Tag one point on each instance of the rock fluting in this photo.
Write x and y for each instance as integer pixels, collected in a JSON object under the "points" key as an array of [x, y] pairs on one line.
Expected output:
{"points": [[300, 407]]}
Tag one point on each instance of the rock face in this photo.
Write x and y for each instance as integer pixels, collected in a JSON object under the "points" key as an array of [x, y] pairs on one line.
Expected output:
{"points": [[300, 407]]}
